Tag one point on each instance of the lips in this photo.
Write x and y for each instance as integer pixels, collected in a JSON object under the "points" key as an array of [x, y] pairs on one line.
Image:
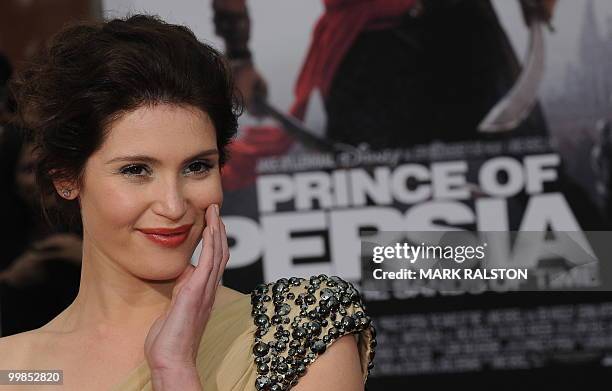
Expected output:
{"points": [[167, 237]]}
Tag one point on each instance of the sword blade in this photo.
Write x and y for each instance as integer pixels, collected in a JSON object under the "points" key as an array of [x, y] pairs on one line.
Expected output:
{"points": [[508, 113], [294, 127]]}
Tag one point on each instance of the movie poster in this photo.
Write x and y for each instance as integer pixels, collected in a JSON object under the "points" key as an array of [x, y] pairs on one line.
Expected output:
{"points": [[420, 116]]}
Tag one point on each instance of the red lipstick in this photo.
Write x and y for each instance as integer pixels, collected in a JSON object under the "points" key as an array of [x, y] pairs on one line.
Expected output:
{"points": [[167, 237]]}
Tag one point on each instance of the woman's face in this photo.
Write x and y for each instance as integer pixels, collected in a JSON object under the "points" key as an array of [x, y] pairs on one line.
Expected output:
{"points": [[158, 168]]}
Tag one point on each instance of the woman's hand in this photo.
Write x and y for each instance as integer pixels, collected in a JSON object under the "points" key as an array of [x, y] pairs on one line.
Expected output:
{"points": [[171, 346]]}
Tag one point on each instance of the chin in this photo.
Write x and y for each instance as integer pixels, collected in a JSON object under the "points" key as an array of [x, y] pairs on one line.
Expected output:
{"points": [[161, 267]]}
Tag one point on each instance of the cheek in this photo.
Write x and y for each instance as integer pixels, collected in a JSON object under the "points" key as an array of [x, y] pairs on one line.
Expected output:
{"points": [[207, 193], [117, 205]]}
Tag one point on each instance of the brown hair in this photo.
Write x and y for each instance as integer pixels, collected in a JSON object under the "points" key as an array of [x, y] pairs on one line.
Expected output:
{"points": [[91, 73]]}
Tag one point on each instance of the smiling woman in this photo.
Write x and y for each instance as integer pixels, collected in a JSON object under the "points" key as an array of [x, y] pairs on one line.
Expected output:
{"points": [[131, 120], [135, 193]]}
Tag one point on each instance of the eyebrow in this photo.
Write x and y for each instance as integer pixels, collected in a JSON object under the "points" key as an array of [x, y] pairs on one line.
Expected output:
{"points": [[152, 160]]}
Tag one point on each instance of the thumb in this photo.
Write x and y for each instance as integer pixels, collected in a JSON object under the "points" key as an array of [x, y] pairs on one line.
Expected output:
{"points": [[182, 280], [153, 332]]}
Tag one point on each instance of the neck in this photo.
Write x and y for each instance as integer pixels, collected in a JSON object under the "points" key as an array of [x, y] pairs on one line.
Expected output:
{"points": [[112, 301]]}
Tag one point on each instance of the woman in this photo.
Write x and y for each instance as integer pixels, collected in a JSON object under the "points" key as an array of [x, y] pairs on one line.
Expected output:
{"points": [[132, 119]]}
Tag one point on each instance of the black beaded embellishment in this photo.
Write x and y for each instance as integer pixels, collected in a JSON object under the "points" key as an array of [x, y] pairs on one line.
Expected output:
{"points": [[297, 342]]}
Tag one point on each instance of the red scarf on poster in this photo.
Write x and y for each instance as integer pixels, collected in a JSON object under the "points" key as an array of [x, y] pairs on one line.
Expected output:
{"points": [[332, 37]]}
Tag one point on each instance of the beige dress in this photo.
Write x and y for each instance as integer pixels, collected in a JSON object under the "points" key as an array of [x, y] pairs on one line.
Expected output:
{"points": [[281, 327]]}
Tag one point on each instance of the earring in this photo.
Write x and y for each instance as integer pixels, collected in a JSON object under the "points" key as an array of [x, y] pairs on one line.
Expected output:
{"points": [[66, 192]]}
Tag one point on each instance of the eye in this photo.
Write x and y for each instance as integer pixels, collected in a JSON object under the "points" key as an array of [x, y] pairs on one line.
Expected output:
{"points": [[198, 168], [134, 170]]}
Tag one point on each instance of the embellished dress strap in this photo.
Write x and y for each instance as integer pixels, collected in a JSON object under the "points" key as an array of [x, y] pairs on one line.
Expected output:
{"points": [[297, 319]]}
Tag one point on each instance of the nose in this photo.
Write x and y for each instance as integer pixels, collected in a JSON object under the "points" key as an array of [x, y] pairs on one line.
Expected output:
{"points": [[170, 201]]}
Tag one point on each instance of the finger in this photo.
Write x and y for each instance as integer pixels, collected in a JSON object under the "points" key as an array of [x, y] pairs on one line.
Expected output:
{"points": [[226, 253], [205, 232], [218, 242], [211, 286], [205, 261], [182, 280], [188, 300], [187, 295]]}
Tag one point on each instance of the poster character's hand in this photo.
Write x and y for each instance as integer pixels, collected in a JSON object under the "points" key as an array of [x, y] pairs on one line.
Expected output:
{"points": [[538, 9], [251, 86], [171, 345]]}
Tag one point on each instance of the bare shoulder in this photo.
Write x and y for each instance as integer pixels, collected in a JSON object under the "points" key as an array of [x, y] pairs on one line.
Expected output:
{"points": [[14, 348], [12, 342]]}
